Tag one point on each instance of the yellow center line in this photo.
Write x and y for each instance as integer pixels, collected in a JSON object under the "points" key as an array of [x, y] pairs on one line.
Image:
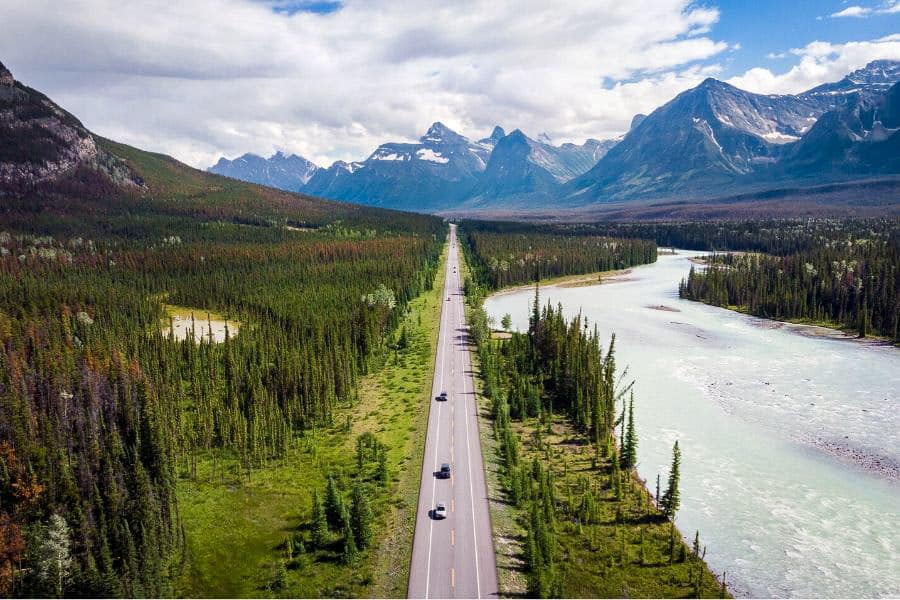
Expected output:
{"points": [[452, 505], [452, 577], [452, 537]]}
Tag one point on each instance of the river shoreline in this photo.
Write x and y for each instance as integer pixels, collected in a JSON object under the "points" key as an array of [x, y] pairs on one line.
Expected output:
{"points": [[791, 437]]}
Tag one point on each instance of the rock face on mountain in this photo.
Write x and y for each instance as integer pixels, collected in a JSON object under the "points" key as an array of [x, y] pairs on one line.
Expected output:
{"points": [[857, 139], [42, 144], [286, 172], [441, 168], [524, 170], [716, 139]]}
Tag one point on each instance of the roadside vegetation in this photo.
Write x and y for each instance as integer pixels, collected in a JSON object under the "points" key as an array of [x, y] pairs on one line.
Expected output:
{"points": [[269, 533], [572, 518], [130, 461]]}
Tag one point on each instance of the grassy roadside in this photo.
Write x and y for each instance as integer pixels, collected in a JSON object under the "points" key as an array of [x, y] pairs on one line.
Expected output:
{"points": [[235, 526]]}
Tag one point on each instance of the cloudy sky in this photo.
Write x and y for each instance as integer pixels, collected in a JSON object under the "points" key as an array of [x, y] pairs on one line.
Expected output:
{"points": [[330, 80]]}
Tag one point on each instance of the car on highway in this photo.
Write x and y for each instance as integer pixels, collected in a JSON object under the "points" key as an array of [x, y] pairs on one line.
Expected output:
{"points": [[444, 473], [442, 397], [440, 511]]}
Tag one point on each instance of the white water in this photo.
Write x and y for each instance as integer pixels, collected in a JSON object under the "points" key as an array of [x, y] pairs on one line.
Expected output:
{"points": [[790, 443]]}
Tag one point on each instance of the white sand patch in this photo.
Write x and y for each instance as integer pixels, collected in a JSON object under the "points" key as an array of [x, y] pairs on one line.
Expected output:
{"points": [[200, 325]]}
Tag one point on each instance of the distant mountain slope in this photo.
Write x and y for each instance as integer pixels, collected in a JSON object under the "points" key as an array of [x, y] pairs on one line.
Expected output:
{"points": [[857, 139], [873, 79], [709, 141], [58, 177], [42, 145], [716, 139], [530, 171], [442, 167], [286, 172]]}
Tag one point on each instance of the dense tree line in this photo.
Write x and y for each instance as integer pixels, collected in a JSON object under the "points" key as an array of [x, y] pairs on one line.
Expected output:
{"points": [[776, 236], [843, 280], [841, 272], [498, 259], [101, 410]]}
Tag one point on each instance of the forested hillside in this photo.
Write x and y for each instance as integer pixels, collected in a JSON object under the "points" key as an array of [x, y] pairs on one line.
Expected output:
{"points": [[102, 410]]}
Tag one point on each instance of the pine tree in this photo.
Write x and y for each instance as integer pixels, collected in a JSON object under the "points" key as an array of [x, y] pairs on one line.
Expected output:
{"points": [[361, 518], [319, 522], [350, 551], [334, 505], [279, 579], [382, 473], [56, 555], [863, 313], [671, 499], [629, 454]]}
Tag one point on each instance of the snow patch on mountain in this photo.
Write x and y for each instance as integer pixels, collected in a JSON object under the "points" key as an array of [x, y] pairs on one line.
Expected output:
{"points": [[432, 156]]}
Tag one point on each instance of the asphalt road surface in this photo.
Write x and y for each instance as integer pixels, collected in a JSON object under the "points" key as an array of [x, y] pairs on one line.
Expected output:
{"points": [[453, 557]]}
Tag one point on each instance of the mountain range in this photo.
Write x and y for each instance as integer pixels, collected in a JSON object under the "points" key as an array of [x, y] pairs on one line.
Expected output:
{"points": [[710, 141], [289, 172]]}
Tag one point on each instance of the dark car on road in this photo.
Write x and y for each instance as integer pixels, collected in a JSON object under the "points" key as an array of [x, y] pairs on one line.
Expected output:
{"points": [[442, 396], [444, 473]]}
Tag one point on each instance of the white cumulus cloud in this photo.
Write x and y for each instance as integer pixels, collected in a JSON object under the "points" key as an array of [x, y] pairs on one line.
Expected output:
{"points": [[208, 77], [891, 7], [819, 62], [203, 78]]}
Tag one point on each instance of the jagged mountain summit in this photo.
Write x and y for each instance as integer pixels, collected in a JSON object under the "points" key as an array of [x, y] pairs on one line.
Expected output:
{"points": [[712, 140], [286, 172], [873, 79], [43, 147], [445, 168], [442, 168], [522, 167], [716, 139], [496, 135]]}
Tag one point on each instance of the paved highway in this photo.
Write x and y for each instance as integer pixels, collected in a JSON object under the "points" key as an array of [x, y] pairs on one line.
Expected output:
{"points": [[453, 557]]}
